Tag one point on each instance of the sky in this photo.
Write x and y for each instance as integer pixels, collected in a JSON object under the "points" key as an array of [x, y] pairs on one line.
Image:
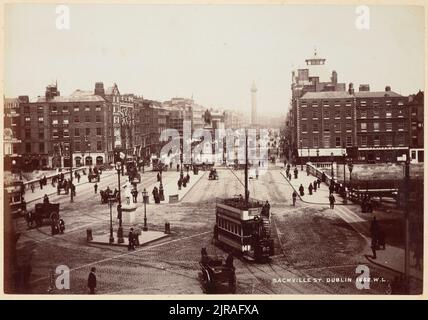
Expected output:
{"points": [[213, 52]]}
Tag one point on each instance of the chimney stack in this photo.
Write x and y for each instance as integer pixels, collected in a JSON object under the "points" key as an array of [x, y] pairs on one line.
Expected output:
{"points": [[99, 89], [364, 87], [351, 88]]}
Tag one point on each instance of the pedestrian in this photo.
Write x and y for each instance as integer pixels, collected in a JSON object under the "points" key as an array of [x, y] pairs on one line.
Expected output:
{"points": [[374, 230], [95, 187], [178, 167], [301, 190], [92, 281], [32, 187], [41, 184], [78, 178], [331, 188], [315, 186], [61, 225], [296, 173], [131, 244], [134, 193], [187, 178], [323, 177], [73, 189], [374, 247], [294, 197], [158, 177], [310, 188], [179, 184], [319, 183], [45, 199], [332, 200]]}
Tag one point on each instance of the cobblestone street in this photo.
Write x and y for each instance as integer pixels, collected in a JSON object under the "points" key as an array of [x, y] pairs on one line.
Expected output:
{"points": [[311, 241]]}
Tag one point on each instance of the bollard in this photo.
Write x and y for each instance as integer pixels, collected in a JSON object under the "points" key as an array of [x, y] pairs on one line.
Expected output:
{"points": [[167, 228], [89, 235]]}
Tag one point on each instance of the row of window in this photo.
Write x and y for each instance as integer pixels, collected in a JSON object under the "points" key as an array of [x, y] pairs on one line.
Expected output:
{"points": [[314, 142], [77, 132], [65, 121], [65, 109], [326, 114], [229, 226], [40, 147], [376, 126], [387, 114], [384, 140], [337, 127]]}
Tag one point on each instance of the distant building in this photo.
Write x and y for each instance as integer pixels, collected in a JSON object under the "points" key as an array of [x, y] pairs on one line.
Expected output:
{"points": [[416, 105], [53, 126], [313, 77], [382, 125]]}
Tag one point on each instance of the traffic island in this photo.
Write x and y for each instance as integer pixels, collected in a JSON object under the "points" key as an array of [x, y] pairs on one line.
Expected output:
{"points": [[145, 238]]}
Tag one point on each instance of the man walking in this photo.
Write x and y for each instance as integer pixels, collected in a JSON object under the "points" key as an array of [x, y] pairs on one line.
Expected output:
{"points": [[95, 187], [294, 198], [92, 281], [332, 200], [310, 188], [315, 186], [131, 244], [301, 190]]}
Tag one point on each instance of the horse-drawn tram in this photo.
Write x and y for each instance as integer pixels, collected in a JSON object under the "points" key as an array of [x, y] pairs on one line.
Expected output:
{"points": [[243, 227]]}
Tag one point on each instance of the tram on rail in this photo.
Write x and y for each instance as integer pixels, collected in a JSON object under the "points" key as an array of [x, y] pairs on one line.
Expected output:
{"points": [[243, 227]]}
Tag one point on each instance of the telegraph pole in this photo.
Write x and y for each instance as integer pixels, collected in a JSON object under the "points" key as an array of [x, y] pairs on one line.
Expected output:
{"points": [[407, 224]]}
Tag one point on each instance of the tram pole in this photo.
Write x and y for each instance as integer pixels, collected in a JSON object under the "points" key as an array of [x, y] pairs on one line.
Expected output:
{"points": [[246, 167]]}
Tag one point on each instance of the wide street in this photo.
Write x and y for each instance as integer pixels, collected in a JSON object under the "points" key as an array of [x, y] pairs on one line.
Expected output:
{"points": [[311, 241]]}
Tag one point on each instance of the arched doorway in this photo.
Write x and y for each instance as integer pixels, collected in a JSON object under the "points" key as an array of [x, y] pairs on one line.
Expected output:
{"points": [[88, 161], [78, 161], [99, 160]]}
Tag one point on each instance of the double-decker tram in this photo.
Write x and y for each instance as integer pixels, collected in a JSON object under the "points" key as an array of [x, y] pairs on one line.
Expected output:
{"points": [[243, 227]]}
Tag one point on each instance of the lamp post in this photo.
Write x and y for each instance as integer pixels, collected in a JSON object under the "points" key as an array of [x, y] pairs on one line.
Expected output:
{"points": [[332, 160], [318, 156], [301, 155], [181, 159], [145, 216], [350, 167], [345, 200], [111, 239], [119, 206]]}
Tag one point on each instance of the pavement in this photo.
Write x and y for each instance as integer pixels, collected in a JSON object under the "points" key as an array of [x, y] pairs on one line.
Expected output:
{"points": [[145, 238], [391, 258]]}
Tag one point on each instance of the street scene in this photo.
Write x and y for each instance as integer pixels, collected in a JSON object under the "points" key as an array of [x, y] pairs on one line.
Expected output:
{"points": [[318, 191]]}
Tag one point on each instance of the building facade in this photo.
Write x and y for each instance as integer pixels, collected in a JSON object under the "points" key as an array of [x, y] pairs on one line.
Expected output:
{"points": [[56, 129], [416, 105]]}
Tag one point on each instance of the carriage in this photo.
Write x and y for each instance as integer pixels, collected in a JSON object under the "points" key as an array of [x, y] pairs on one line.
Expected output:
{"points": [[217, 274], [92, 176], [108, 196], [63, 185], [43, 212], [213, 175]]}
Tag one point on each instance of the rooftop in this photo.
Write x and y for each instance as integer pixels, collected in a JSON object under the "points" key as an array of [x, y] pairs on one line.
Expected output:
{"points": [[326, 95], [76, 96], [376, 94]]}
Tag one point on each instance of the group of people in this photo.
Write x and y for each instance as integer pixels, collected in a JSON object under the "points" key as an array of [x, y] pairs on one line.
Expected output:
{"points": [[42, 182], [133, 239], [158, 194], [183, 181]]}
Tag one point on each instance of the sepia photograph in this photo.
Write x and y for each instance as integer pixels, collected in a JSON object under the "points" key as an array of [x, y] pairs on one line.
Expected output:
{"points": [[225, 149]]}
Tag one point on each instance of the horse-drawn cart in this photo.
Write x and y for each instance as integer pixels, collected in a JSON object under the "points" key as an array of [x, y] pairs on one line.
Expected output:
{"points": [[43, 212]]}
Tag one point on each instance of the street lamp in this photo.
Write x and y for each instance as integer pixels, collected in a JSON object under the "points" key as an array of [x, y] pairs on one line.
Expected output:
{"points": [[119, 206], [318, 156], [145, 197], [181, 159], [332, 160], [111, 239], [345, 200], [301, 155]]}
